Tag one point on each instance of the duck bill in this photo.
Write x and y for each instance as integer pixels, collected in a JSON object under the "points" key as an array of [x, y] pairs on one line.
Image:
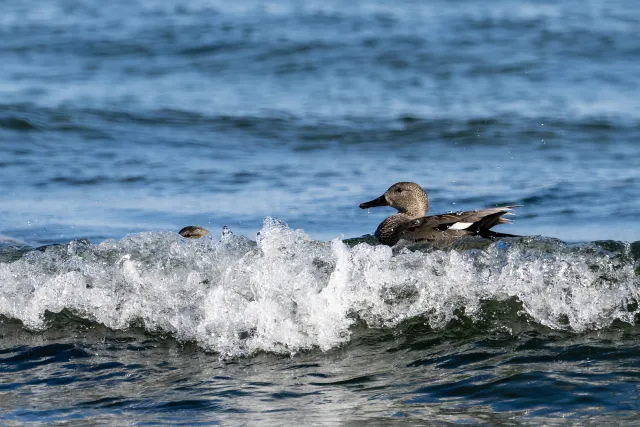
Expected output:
{"points": [[380, 201]]}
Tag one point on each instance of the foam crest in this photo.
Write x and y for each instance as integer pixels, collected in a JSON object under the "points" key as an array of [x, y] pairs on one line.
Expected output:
{"points": [[287, 292]]}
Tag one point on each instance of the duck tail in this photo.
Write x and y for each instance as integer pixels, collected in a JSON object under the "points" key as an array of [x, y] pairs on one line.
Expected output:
{"points": [[495, 234], [492, 218]]}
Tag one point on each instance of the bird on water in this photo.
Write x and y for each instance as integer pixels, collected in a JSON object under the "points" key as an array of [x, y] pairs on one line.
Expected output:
{"points": [[193, 232], [412, 224]]}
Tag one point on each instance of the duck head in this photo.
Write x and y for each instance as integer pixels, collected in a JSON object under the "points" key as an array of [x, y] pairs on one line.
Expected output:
{"points": [[193, 232], [406, 197]]}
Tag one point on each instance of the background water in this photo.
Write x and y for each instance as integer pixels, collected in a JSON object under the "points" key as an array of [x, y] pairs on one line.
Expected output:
{"points": [[146, 116]]}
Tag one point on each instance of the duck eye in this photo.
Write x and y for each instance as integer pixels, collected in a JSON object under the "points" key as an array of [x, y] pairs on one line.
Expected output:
{"points": [[398, 190]]}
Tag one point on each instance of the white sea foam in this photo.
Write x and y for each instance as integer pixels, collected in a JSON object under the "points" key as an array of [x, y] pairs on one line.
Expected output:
{"points": [[287, 292]]}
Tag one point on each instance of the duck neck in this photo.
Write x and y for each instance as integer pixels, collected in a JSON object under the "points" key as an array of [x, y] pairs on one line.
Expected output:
{"points": [[416, 211]]}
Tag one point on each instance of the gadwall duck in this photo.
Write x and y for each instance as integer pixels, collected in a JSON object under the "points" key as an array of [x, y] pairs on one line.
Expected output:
{"points": [[412, 224], [193, 232]]}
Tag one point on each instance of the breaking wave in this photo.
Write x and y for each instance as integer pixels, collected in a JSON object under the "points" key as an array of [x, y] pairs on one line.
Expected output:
{"points": [[286, 292]]}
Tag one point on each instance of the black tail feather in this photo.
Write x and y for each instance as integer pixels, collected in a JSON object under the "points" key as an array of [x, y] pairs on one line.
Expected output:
{"points": [[483, 227], [495, 234]]}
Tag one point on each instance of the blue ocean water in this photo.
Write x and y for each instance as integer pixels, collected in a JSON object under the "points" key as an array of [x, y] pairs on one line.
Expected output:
{"points": [[122, 122]]}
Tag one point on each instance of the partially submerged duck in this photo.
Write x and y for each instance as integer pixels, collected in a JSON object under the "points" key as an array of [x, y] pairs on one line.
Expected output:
{"points": [[193, 232], [412, 224]]}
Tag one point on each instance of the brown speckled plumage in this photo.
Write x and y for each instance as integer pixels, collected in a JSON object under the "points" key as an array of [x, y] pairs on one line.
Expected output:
{"points": [[193, 232]]}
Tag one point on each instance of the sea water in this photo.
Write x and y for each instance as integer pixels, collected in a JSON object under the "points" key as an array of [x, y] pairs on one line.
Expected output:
{"points": [[122, 122]]}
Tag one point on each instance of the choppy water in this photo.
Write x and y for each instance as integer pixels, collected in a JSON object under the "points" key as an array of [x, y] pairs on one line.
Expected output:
{"points": [[122, 122]]}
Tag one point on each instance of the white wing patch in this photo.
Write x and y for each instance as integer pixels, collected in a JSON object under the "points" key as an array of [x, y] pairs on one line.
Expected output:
{"points": [[461, 225]]}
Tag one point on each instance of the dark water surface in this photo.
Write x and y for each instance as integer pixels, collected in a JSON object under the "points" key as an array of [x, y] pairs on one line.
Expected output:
{"points": [[122, 122]]}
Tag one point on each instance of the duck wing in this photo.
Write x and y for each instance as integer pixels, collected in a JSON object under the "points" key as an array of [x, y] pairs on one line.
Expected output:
{"points": [[481, 219], [457, 224]]}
